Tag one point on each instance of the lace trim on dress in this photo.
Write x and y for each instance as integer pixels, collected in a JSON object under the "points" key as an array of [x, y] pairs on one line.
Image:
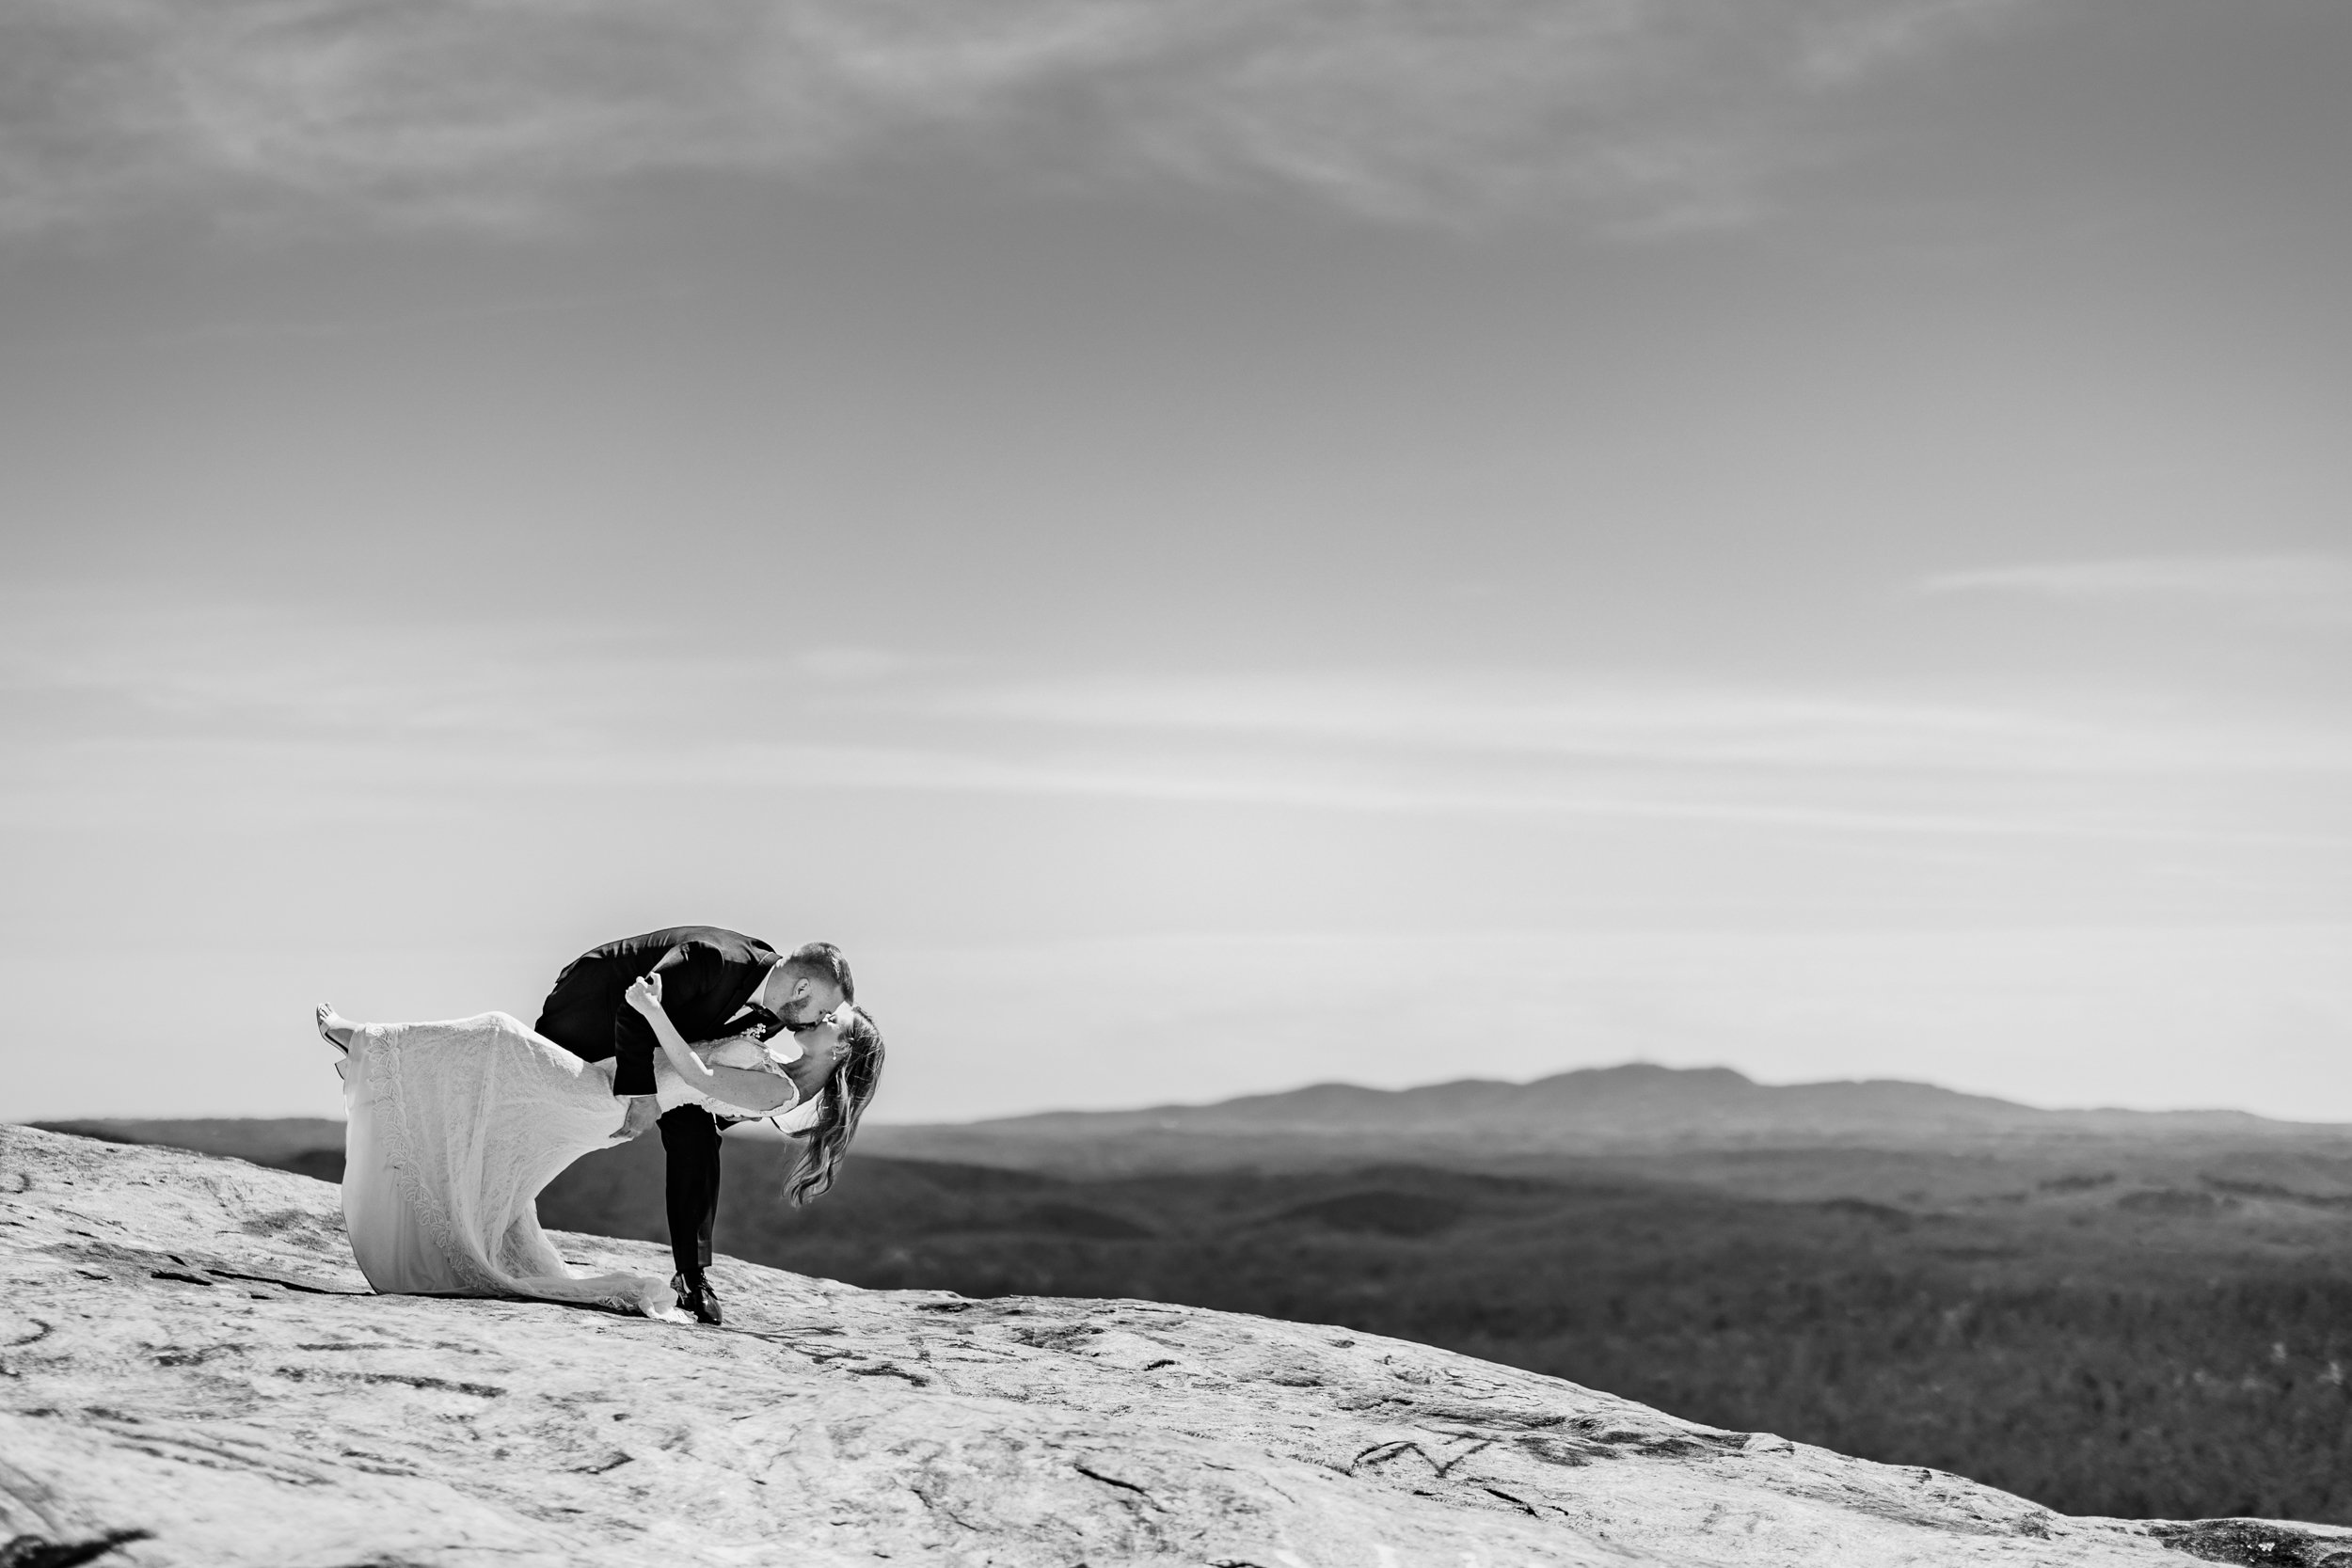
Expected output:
{"points": [[747, 1052]]}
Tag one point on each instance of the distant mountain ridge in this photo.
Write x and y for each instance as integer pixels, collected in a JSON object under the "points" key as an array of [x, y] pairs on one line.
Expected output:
{"points": [[1637, 1109], [1633, 1105]]}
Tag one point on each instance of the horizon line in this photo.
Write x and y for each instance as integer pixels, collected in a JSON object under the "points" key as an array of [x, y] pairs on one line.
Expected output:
{"points": [[1629, 1065]]}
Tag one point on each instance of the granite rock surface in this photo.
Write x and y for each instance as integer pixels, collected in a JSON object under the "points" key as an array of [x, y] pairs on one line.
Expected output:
{"points": [[193, 1372]]}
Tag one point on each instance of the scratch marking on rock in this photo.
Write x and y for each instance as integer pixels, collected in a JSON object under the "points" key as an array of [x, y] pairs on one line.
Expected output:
{"points": [[413, 1380], [1492, 1416], [1380, 1453], [290, 1283], [216, 1452], [41, 1331], [1482, 1443], [1092, 1474]]}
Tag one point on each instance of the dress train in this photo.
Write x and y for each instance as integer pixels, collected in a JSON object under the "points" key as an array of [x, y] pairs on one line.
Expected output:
{"points": [[455, 1128]]}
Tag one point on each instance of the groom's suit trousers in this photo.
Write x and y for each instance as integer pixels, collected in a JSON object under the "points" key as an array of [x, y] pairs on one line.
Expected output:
{"points": [[690, 1142]]}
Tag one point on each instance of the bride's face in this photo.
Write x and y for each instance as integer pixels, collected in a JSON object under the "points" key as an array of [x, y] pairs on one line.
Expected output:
{"points": [[819, 1046]]}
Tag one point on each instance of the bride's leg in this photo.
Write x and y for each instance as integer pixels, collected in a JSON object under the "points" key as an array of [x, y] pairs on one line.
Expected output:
{"points": [[334, 1029]]}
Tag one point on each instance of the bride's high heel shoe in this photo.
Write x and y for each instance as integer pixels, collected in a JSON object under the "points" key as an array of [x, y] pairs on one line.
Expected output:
{"points": [[334, 1029]]}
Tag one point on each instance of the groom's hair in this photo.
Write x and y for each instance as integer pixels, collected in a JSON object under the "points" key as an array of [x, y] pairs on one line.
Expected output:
{"points": [[823, 958]]}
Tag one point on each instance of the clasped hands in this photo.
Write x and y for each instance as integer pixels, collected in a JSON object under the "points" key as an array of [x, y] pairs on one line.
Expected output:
{"points": [[645, 995]]}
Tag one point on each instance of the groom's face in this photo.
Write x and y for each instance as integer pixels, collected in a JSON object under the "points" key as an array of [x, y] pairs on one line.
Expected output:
{"points": [[803, 999]]}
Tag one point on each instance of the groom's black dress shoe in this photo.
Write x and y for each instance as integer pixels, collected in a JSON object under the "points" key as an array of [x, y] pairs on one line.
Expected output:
{"points": [[696, 1296]]}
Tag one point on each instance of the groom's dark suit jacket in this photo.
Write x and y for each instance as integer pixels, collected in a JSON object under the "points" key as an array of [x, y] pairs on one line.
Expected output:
{"points": [[706, 976]]}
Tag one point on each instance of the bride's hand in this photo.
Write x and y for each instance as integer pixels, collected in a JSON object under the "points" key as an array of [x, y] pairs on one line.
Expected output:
{"points": [[645, 995], [643, 1111]]}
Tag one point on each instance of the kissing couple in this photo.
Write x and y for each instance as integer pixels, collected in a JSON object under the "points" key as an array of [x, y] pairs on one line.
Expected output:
{"points": [[455, 1128]]}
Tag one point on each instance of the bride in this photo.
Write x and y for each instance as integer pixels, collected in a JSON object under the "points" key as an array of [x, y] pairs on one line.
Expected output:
{"points": [[456, 1127]]}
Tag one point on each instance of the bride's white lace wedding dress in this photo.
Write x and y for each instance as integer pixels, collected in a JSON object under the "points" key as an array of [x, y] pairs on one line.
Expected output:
{"points": [[454, 1128]]}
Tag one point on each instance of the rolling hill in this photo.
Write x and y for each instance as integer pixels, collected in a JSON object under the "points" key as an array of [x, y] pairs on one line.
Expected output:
{"points": [[1634, 1109]]}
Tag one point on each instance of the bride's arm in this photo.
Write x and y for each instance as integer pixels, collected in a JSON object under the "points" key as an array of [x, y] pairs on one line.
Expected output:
{"points": [[760, 1093], [645, 995], [757, 1092]]}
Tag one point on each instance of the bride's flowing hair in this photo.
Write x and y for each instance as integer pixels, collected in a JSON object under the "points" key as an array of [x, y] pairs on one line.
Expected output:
{"points": [[849, 1088]]}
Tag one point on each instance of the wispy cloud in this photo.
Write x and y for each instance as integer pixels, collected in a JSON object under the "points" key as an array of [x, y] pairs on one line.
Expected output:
{"points": [[2303, 582], [281, 713], [1632, 113], [1848, 47], [259, 670], [1695, 726]]}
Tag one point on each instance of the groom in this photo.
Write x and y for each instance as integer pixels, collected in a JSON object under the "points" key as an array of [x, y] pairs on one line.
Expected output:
{"points": [[714, 982]]}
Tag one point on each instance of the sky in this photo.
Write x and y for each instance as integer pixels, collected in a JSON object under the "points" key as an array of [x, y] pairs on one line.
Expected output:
{"points": [[1212, 547]]}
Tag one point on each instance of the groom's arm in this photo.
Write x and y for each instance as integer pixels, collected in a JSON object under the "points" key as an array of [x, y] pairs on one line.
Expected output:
{"points": [[684, 970]]}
